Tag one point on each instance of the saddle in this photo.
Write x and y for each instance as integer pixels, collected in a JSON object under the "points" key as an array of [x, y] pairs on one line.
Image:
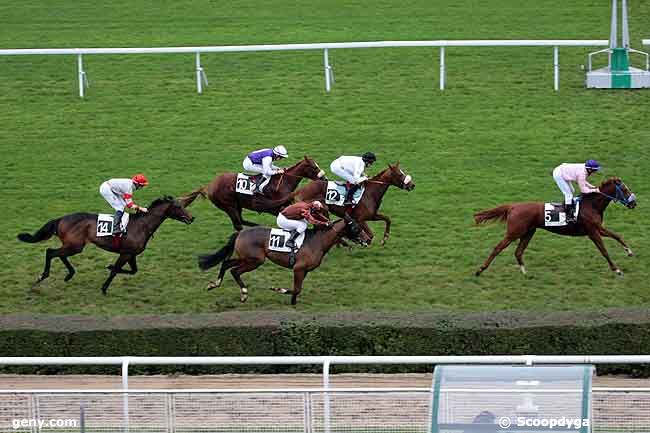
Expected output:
{"points": [[245, 183], [554, 215], [337, 191]]}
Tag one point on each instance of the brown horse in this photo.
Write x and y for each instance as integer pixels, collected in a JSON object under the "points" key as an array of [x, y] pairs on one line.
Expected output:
{"points": [[523, 219], [221, 191], [77, 229], [368, 207], [251, 248]]}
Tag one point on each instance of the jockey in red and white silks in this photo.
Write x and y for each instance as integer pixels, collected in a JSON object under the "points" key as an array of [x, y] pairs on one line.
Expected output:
{"points": [[119, 194]]}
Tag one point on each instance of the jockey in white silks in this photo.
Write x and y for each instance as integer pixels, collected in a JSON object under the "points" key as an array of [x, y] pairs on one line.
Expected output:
{"points": [[352, 169], [565, 173], [261, 161], [119, 194]]}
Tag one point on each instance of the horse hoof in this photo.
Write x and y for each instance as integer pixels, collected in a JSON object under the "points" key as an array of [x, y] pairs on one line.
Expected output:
{"points": [[243, 297], [279, 290], [619, 272], [477, 273], [214, 284], [104, 291], [629, 252], [68, 277], [523, 269], [109, 267]]}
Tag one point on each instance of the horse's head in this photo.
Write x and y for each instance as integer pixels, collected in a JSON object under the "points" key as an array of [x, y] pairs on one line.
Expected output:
{"points": [[354, 232], [308, 168], [172, 208], [394, 175], [614, 189]]}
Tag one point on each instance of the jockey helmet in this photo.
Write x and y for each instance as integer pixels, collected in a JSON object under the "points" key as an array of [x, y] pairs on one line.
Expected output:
{"points": [[140, 179], [280, 151], [369, 157], [592, 164]]}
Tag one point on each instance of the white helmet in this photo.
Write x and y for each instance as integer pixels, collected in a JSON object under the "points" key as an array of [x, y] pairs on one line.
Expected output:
{"points": [[280, 151]]}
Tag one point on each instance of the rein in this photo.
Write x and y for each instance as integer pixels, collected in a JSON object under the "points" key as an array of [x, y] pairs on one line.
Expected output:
{"points": [[620, 196]]}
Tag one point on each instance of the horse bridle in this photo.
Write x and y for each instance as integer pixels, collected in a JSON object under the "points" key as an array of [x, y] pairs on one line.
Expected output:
{"points": [[406, 181], [620, 196]]}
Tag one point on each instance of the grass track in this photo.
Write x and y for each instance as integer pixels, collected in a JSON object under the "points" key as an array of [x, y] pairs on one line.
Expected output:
{"points": [[492, 137]]}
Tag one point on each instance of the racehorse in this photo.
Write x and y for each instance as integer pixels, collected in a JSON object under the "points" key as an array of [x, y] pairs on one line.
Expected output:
{"points": [[77, 229], [221, 191], [251, 248], [523, 219], [368, 207]]}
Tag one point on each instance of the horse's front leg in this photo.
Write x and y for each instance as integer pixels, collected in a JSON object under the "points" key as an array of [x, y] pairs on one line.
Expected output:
{"points": [[298, 278], [610, 234], [132, 264], [364, 226], [117, 267], [598, 241], [387, 221]]}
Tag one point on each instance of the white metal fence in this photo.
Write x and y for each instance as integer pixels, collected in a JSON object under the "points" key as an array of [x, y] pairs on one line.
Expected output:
{"points": [[201, 77], [299, 410], [281, 410]]}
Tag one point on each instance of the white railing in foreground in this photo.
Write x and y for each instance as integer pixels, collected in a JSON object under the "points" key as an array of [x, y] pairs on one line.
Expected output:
{"points": [[325, 361], [201, 78], [279, 410]]}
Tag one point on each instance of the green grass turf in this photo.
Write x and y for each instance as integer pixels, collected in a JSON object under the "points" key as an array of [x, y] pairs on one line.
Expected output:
{"points": [[492, 137]]}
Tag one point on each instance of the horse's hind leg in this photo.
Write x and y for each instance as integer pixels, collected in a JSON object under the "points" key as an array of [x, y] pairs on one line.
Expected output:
{"points": [[67, 252], [241, 268], [225, 265], [495, 252], [50, 253], [523, 243]]}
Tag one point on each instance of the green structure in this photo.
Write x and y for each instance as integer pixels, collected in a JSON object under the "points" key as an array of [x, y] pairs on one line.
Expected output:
{"points": [[619, 74]]}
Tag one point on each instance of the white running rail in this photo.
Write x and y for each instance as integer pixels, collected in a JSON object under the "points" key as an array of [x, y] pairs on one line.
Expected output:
{"points": [[201, 78]]}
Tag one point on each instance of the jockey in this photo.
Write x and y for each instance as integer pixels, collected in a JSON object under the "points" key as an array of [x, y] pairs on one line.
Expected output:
{"points": [[261, 161], [296, 217], [565, 173], [119, 194], [351, 168]]}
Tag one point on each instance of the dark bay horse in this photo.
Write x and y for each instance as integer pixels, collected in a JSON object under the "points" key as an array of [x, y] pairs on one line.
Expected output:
{"points": [[522, 219], [221, 191], [77, 229], [368, 207], [251, 249]]}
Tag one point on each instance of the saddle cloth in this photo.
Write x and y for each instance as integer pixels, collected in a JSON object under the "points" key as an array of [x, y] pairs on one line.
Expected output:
{"points": [[246, 183], [337, 191], [279, 237], [105, 224], [554, 215]]}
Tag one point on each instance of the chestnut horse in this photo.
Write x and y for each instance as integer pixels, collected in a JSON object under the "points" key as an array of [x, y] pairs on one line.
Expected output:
{"points": [[522, 219], [251, 248], [221, 191], [77, 229], [368, 207]]}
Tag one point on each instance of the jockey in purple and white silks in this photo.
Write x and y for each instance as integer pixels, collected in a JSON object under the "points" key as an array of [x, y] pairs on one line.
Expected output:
{"points": [[261, 161], [352, 169], [566, 173]]}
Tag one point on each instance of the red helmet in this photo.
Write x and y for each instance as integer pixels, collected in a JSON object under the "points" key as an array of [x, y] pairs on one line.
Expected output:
{"points": [[140, 179]]}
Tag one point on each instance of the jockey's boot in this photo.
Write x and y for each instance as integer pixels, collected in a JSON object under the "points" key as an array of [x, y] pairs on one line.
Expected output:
{"points": [[291, 243], [569, 209], [117, 222], [257, 183], [349, 198]]}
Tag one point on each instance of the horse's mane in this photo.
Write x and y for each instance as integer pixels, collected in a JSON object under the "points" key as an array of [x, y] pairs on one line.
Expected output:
{"points": [[157, 202], [612, 179], [299, 162], [378, 175]]}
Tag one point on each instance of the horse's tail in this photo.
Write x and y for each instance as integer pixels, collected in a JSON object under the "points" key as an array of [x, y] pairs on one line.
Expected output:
{"points": [[207, 261], [189, 198], [501, 213], [42, 234], [261, 203]]}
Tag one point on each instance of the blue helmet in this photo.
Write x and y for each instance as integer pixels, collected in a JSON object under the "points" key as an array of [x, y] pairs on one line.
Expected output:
{"points": [[592, 164]]}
